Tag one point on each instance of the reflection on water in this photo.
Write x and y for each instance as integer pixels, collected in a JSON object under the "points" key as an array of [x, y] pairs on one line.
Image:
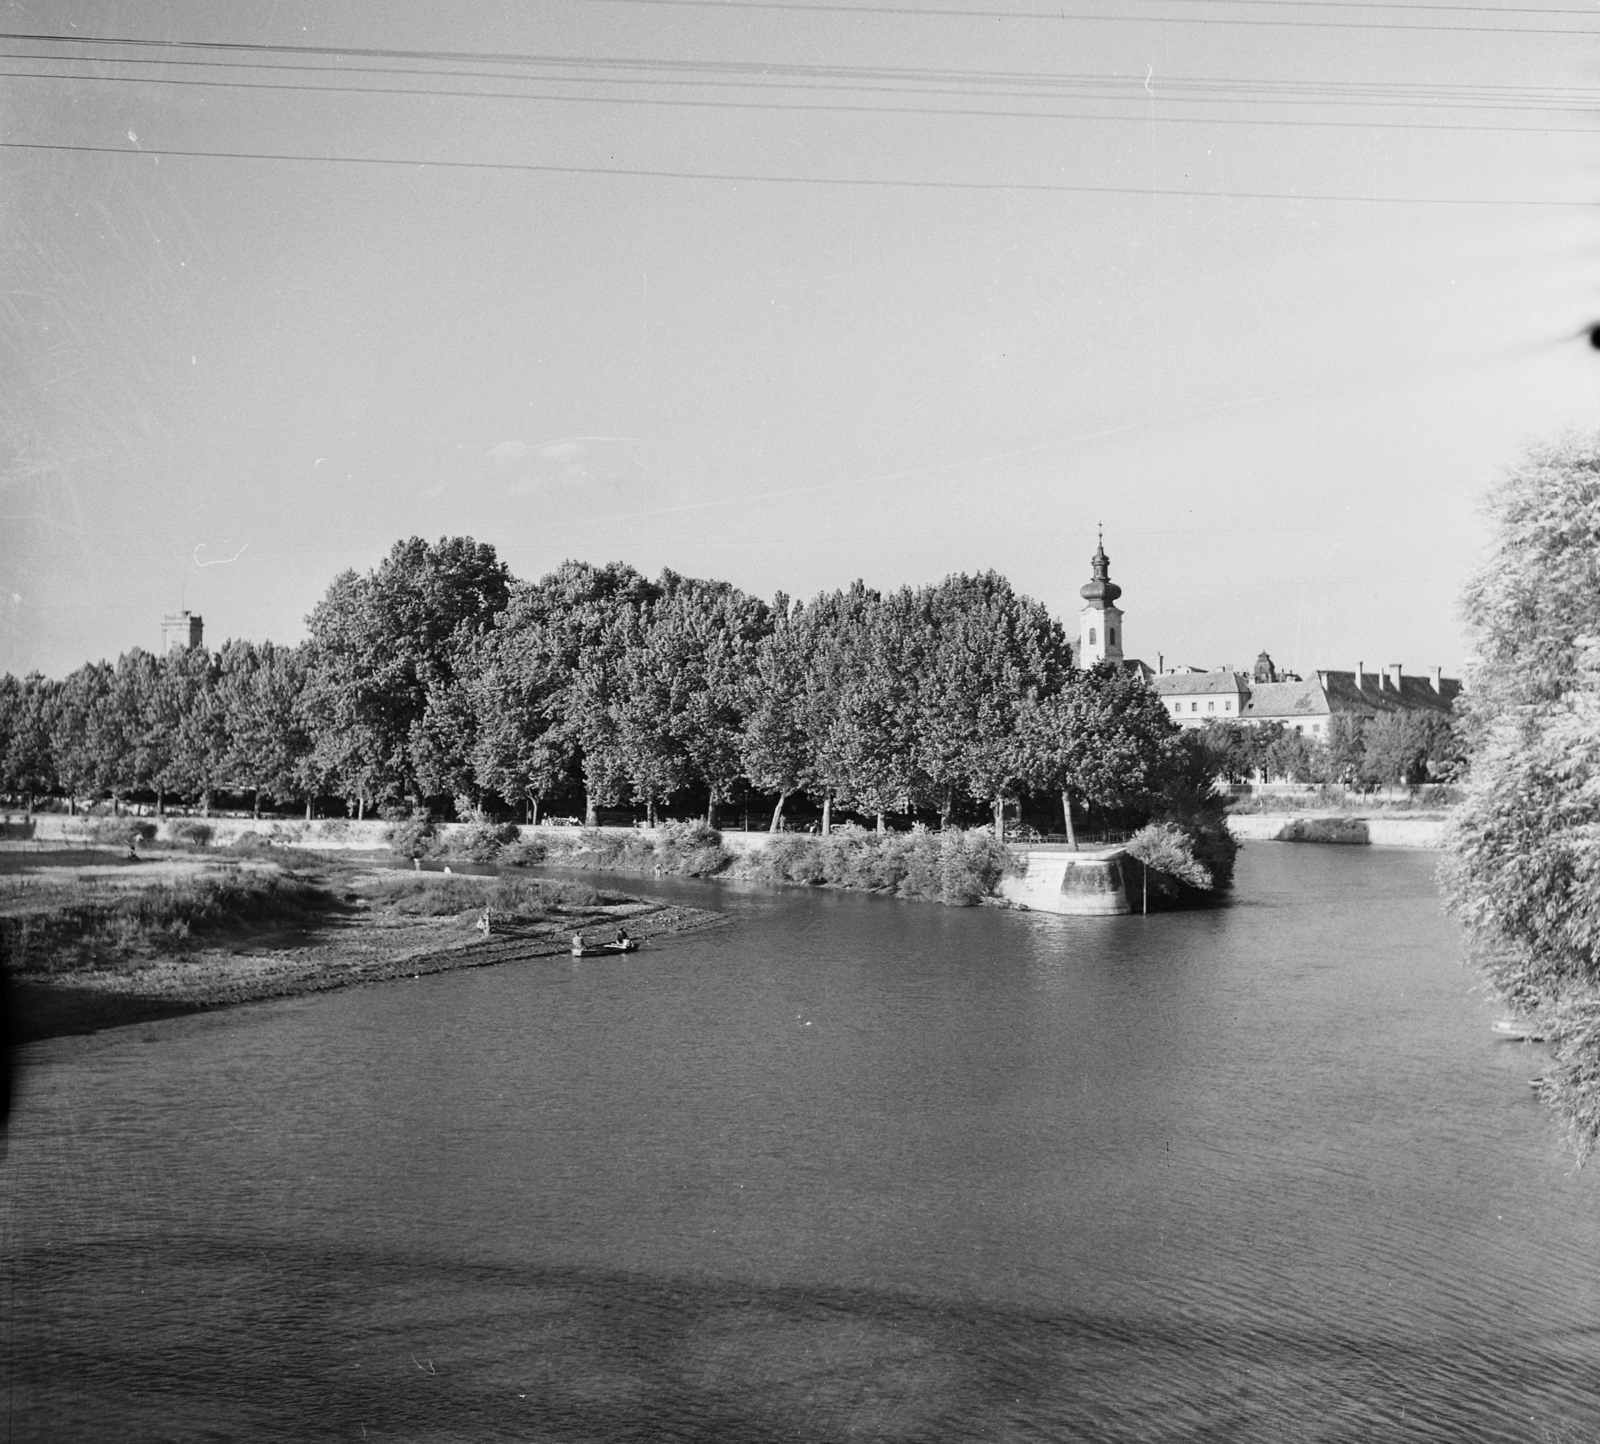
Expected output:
{"points": [[848, 1167]]}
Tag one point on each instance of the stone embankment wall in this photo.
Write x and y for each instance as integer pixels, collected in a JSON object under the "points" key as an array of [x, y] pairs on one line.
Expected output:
{"points": [[1403, 830], [323, 835], [338, 834]]}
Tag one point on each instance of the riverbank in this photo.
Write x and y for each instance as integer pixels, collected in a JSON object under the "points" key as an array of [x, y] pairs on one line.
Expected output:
{"points": [[91, 940]]}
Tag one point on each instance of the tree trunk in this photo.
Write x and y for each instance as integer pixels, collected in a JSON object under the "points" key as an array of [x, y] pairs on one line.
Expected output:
{"points": [[827, 812], [161, 803], [999, 819], [533, 816], [72, 805], [650, 814], [777, 813], [588, 810], [879, 828], [256, 804], [361, 809], [1066, 808], [947, 808], [711, 809], [308, 807], [30, 806]]}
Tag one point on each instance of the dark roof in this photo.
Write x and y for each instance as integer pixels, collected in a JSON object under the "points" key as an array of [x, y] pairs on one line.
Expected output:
{"points": [[1416, 694], [1287, 699], [1199, 684]]}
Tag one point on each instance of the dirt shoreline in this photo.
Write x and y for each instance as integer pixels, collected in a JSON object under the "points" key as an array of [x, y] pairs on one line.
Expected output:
{"points": [[347, 952]]}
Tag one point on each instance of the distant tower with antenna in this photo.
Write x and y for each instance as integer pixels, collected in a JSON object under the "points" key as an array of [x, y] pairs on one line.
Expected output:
{"points": [[181, 631], [1100, 622]]}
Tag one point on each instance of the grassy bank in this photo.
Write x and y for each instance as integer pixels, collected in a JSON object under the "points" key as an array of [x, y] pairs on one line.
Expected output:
{"points": [[92, 940], [954, 867]]}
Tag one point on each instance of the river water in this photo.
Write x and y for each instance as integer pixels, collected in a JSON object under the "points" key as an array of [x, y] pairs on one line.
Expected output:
{"points": [[843, 1168]]}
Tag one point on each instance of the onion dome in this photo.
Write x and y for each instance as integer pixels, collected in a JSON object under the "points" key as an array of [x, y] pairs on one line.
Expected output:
{"points": [[1101, 589]]}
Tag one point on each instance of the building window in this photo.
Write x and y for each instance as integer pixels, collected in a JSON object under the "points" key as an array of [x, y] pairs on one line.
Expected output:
{"points": [[1111, 636], [1194, 706], [1091, 636], [1227, 706], [1211, 706], [1298, 729]]}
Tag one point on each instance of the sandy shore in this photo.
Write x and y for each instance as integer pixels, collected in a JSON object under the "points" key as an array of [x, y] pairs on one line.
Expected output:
{"points": [[361, 945]]}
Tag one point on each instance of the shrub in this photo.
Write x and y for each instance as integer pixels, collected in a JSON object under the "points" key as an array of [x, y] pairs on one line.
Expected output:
{"points": [[953, 866], [481, 841], [1165, 848], [119, 831], [689, 849], [409, 837], [186, 832]]}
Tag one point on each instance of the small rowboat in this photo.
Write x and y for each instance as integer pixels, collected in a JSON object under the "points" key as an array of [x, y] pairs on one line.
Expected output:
{"points": [[1515, 1032], [601, 950]]}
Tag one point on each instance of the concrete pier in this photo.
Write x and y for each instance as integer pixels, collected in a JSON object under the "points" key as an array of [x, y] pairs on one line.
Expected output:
{"points": [[1079, 884]]}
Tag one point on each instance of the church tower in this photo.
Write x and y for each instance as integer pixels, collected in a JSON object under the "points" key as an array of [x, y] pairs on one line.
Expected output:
{"points": [[1100, 622]]}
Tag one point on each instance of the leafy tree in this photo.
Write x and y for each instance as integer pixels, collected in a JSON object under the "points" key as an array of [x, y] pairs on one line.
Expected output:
{"points": [[1344, 758], [380, 643], [875, 658], [1289, 756], [26, 762], [775, 750], [990, 656], [543, 682], [83, 740], [1396, 749], [1232, 748], [1522, 871], [266, 742], [1105, 739]]}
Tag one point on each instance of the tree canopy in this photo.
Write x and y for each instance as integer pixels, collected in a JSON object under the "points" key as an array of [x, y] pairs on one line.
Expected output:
{"points": [[1523, 865]]}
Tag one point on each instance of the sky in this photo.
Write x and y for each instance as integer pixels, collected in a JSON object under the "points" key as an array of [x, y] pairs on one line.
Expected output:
{"points": [[788, 295]]}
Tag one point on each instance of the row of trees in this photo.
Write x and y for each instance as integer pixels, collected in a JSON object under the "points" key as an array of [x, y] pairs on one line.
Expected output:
{"points": [[438, 680], [1393, 748]]}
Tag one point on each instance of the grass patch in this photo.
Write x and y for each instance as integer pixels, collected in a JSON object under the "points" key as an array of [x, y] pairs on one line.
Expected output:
{"points": [[48, 928], [431, 894]]}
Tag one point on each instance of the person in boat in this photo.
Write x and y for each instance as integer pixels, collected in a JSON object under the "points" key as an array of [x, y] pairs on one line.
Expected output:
{"points": [[577, 945], [622, 938]]}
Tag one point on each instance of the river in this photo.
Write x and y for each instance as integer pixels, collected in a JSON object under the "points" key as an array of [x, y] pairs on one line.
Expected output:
{"points": [[844, 1168]]}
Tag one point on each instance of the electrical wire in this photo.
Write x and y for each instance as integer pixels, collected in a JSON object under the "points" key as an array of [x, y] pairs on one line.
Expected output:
{"points": [[808, 109], [741, 178]]}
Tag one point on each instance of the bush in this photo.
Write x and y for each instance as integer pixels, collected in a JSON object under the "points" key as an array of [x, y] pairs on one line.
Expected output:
{"points": [[120, 832], [953, 866], [186, 832], [410, 837], [479, 841], [1165, 848]]}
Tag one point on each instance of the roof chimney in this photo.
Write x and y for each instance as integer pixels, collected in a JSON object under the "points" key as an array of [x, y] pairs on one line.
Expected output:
{"points": [[1394, 676], [1436, 678]]}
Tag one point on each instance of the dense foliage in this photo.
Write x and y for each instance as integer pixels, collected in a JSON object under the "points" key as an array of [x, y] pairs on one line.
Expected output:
{"points": [[1391, 749], [1523, 867], [437, 684]]}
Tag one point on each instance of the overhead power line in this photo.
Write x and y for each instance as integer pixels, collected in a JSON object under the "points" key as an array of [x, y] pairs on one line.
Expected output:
{"points": [[744, 75], [834, 108], [891, 183], [974, 13]]}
